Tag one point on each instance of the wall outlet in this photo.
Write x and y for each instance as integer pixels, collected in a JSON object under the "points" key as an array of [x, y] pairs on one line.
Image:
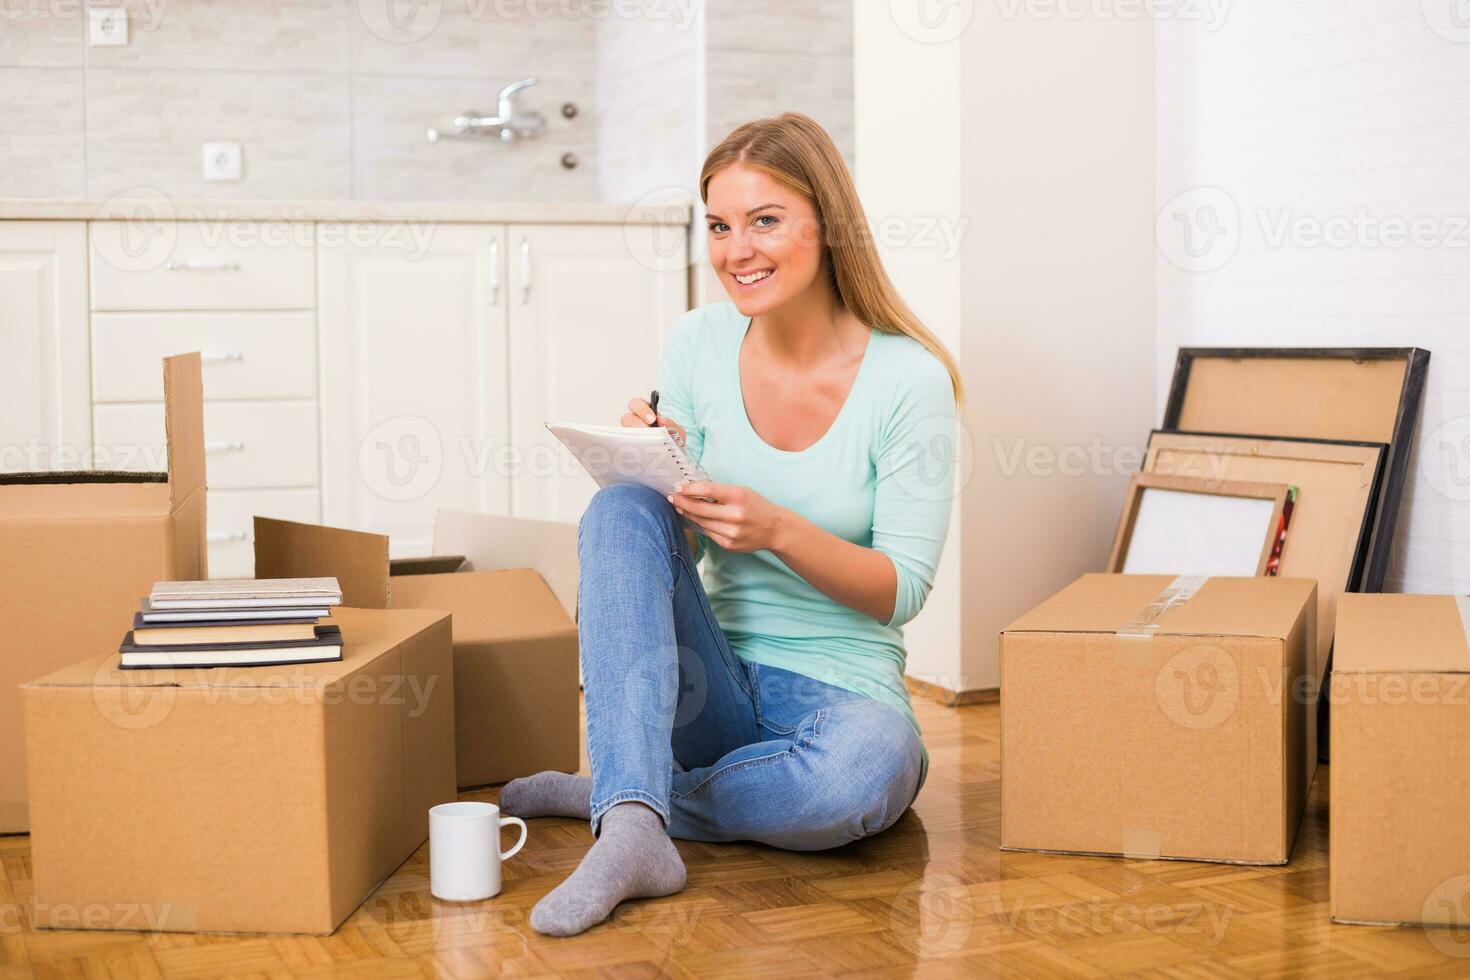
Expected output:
{"points": [[107, 26], [222, 161]]}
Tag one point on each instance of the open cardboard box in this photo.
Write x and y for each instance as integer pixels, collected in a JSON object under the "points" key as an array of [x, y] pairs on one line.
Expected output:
{"points": [[1400, 700], [77, 552], [239, 799], [1139, 725], [515, 641]]}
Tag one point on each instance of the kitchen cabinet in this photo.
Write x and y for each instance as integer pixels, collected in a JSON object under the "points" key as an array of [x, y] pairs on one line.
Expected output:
{"points": [[46, 421], [362, 374], [442, 359], [414, 380], [589, 308]]}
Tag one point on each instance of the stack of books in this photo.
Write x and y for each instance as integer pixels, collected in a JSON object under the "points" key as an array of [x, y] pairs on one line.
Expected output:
{"points": [[235, 623]]}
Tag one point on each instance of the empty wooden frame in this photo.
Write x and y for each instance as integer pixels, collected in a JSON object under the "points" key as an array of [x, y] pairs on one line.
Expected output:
{"points": [[1185, 525]]}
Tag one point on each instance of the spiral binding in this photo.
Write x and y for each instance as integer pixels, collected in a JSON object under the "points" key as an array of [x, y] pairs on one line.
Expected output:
{"points": [[687, 466]]}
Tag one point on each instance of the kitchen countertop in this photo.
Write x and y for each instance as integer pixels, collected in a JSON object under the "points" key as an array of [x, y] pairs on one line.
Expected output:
{"points": [[199, 209]]}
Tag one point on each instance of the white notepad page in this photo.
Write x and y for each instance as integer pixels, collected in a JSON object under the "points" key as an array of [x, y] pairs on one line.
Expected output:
{"points": [[614, 454]]}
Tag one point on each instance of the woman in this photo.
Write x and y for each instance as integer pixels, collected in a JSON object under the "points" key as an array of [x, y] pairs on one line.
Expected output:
{"points": [[766, 703]]}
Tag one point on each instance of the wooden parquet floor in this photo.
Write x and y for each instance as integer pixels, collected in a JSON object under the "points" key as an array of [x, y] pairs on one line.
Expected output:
{"points": [[932, 897]]}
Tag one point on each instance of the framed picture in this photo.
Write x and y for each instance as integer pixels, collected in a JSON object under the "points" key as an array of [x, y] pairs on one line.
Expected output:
{"points": [[1333, 394], [1184, 525]]}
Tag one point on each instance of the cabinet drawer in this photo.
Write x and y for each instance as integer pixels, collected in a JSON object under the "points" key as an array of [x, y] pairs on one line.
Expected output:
{"points": [[244, 355], [202, 265], [246, 444], [231, 524]]}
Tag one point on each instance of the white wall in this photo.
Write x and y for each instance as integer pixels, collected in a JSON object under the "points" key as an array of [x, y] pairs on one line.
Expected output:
{"points": [[1058, 299], [1012, 157], [1335, 118], [907, 143]]}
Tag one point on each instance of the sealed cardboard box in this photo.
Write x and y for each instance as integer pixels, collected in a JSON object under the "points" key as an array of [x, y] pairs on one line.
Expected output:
{"points": [[239, 799], [1400, 697], [78, 549], [1147, 716], [515, 644]]}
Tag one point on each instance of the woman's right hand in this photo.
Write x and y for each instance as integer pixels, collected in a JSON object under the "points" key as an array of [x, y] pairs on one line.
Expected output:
{"points": [[640, 416]]}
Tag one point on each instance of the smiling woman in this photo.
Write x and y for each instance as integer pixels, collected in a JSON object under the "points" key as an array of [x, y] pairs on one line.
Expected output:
{"points": [[764, 700]]}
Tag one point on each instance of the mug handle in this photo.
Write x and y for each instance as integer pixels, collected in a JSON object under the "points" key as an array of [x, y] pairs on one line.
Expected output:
{"points": [[507, 855]]}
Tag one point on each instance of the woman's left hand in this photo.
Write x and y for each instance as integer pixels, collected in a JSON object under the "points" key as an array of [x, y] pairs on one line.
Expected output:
{"points": [[739, 520]]}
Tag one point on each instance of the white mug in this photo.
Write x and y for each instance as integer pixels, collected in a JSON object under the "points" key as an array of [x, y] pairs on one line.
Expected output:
{"points": [[464, 850]]}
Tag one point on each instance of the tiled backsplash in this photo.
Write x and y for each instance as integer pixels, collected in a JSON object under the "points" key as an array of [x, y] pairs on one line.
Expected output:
{"points": [[329, 98], [766, 56], [666, 101], [332, 98]]}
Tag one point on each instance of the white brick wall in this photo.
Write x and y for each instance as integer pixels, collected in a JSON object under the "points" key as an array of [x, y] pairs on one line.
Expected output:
{"points": [[1339, 132]]}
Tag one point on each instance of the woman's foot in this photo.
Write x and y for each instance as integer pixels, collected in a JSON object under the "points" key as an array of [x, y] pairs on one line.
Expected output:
{"points": [[631, 858], [548, 794]]}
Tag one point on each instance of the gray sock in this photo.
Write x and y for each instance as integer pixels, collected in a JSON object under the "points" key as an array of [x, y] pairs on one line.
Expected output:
{"points": [[548, 794], [631, 858]]}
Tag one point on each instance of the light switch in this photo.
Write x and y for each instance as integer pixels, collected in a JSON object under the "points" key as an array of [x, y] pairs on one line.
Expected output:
{"points": [[107, 26], [222, 161]]}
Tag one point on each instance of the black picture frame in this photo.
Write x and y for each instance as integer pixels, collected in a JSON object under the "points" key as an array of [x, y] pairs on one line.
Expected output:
{"points": [[1400, 445]]}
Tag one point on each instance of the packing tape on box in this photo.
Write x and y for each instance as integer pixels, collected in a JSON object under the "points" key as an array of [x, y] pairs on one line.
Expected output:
{"points": [[1462, 603], [1142, 843], [1133, 637]]}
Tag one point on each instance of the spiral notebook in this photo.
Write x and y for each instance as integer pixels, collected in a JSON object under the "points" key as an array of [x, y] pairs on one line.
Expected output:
{"points": [[612, 454]]}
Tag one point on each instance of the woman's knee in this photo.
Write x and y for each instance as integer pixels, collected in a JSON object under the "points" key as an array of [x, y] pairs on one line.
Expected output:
{"points": [[624, 504], [869, 758]]}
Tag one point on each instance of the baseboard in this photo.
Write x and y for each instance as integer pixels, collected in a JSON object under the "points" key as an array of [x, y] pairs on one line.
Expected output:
{"points": [[951, 699]]}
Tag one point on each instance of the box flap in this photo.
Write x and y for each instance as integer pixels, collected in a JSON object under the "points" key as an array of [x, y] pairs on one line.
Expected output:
{"points": [[183, 424], [1385, 633], [358, 559], [1102, 603], [366, 635], [1322, 396], [488, 542], [81, 493], [489, 607]]}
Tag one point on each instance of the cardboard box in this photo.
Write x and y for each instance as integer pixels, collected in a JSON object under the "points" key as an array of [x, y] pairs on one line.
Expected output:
{"points": [[515, 645], [1400, 697], [77, 552], [1152, 717], [239, 799]]}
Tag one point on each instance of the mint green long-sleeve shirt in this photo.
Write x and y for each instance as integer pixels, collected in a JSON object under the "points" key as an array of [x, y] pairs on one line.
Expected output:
{"points": [[882, 476]]}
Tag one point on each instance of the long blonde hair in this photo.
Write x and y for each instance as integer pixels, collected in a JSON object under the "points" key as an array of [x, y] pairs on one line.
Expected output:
{"points": [[795, 150]]}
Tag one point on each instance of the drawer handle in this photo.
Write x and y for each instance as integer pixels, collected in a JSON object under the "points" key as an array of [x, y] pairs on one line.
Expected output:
{"points": [[223, 445], [494, 271], [525, 270], [202, 265], [220, 537], [214, 357]]}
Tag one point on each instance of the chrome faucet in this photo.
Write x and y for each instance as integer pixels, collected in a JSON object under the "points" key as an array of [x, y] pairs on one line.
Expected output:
{"points": [[509, 123]]}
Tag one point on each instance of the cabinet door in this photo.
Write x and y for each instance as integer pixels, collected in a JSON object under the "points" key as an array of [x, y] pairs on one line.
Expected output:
{"points": [[589, 307], [413, 374], [232, 516], [45, 422]]}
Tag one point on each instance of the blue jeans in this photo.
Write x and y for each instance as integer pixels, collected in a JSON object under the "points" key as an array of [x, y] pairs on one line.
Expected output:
{"points": [[721, 748]]}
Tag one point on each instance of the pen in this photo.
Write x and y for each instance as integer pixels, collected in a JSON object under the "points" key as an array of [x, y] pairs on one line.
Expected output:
{"points": [[653, 406]]}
